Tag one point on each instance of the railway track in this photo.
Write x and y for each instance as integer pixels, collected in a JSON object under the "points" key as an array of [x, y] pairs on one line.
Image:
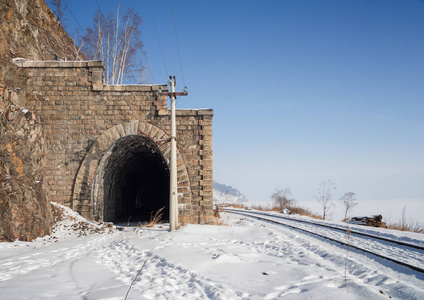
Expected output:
{"points": [[403, 253]]}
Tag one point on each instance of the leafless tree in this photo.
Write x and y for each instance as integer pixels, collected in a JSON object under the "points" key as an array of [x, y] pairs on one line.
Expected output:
{"points": [[349, 202], [282, 198], [403, 219], [324, 195], [59, 9], [116, 40], [407, 225]]}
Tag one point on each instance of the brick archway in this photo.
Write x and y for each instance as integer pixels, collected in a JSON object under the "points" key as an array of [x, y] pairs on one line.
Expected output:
{"points": [[89, 185]]}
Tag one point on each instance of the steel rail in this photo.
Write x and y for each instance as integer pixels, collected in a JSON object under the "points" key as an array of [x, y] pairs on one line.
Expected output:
{"points": [[343, 230], [253, 215]]}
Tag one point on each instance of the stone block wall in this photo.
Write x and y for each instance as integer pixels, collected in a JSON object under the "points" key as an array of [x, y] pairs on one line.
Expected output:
{"points": [[76, 109]]}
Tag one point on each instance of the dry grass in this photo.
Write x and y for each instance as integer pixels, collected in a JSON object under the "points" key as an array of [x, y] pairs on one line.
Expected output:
{"points": [[218, 221], [293, 208], [265, 208], [412, 225], [235, 205], [349, 237], [182, 222], [216, 212], [154, 219], [407, 225], [304, 212], [142, 267]]}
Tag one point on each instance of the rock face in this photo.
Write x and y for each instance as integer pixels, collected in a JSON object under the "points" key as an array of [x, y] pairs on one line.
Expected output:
{"points": [[24, 210], [29, 30]]}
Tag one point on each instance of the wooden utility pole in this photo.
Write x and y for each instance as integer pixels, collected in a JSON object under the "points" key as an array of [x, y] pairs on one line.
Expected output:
{"points": [[173, 187]]}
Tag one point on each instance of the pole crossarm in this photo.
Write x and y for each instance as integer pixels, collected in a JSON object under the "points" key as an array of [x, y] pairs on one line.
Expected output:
{"points": [[174, 94]]}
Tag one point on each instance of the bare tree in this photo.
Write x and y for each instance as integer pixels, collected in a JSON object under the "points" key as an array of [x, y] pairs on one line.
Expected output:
{"points": [[59, 9], [349, 202], [324, 195], [116, 41], [407, 225], [403, 219], [282, 198]]}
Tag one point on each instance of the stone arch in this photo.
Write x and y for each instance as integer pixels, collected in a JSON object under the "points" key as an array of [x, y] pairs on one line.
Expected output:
{"points": [[88, 192]]}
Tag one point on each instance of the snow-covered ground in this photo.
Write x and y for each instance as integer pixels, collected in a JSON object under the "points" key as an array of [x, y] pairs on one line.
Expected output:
{"points": [[245, 259]]}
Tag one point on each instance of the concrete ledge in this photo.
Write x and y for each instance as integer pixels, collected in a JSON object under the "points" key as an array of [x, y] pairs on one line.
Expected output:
{"points": [[205, 111], [95, 63], [186, 112], [194, 112], [59, 64], [134, 88]]}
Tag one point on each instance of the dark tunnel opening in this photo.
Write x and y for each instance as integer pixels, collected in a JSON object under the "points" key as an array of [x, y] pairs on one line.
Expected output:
{"points": [[136, 181]]}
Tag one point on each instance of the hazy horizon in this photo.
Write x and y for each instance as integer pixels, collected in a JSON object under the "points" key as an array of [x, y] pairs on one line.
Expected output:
{"points": [[390, 209]]}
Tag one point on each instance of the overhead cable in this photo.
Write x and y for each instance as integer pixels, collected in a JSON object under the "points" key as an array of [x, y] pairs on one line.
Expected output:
{"points": [[178, 47], [157, 36], [148, 68], [100, 9], [73, 16]]}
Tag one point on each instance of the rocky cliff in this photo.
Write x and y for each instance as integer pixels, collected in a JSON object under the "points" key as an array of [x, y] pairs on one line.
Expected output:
{"points": [[28, 30], [24, 210]]}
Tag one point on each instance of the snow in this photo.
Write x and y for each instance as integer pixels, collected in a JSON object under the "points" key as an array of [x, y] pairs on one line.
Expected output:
{"points": [[227, 194], [18, 59], [285, 211], [413, 257], [245, 259]]}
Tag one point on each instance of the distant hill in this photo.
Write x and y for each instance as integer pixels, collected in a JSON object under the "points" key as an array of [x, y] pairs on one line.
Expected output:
{"points": [[227, 194]]}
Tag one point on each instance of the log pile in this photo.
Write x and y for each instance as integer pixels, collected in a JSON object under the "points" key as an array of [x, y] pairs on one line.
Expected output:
{"points": [[374, 221]]}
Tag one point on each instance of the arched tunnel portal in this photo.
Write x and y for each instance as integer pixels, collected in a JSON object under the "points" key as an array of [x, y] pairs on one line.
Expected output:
{"points": [[135, 182]]}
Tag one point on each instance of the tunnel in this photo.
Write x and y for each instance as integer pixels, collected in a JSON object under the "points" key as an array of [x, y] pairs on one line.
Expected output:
{"points": [[136, 181]]}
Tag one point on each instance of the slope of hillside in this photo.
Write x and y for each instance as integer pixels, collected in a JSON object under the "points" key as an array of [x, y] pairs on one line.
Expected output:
{"points": [[29, 29]]}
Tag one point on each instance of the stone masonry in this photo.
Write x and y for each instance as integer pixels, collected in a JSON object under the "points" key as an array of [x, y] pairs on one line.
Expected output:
{"points": [[83, 119]]}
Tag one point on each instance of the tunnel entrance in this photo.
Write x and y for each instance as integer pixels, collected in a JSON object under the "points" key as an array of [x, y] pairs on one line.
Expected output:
{"points": [[136, 181]]}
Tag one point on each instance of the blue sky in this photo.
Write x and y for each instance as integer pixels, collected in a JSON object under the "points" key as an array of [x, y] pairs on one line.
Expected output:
{"points": [[302, 90]]}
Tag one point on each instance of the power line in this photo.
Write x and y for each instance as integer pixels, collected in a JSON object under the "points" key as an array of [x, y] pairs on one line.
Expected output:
{"points": [[178, 47], [157, 36], [74, 16], [100, 9], [148, 68]]}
